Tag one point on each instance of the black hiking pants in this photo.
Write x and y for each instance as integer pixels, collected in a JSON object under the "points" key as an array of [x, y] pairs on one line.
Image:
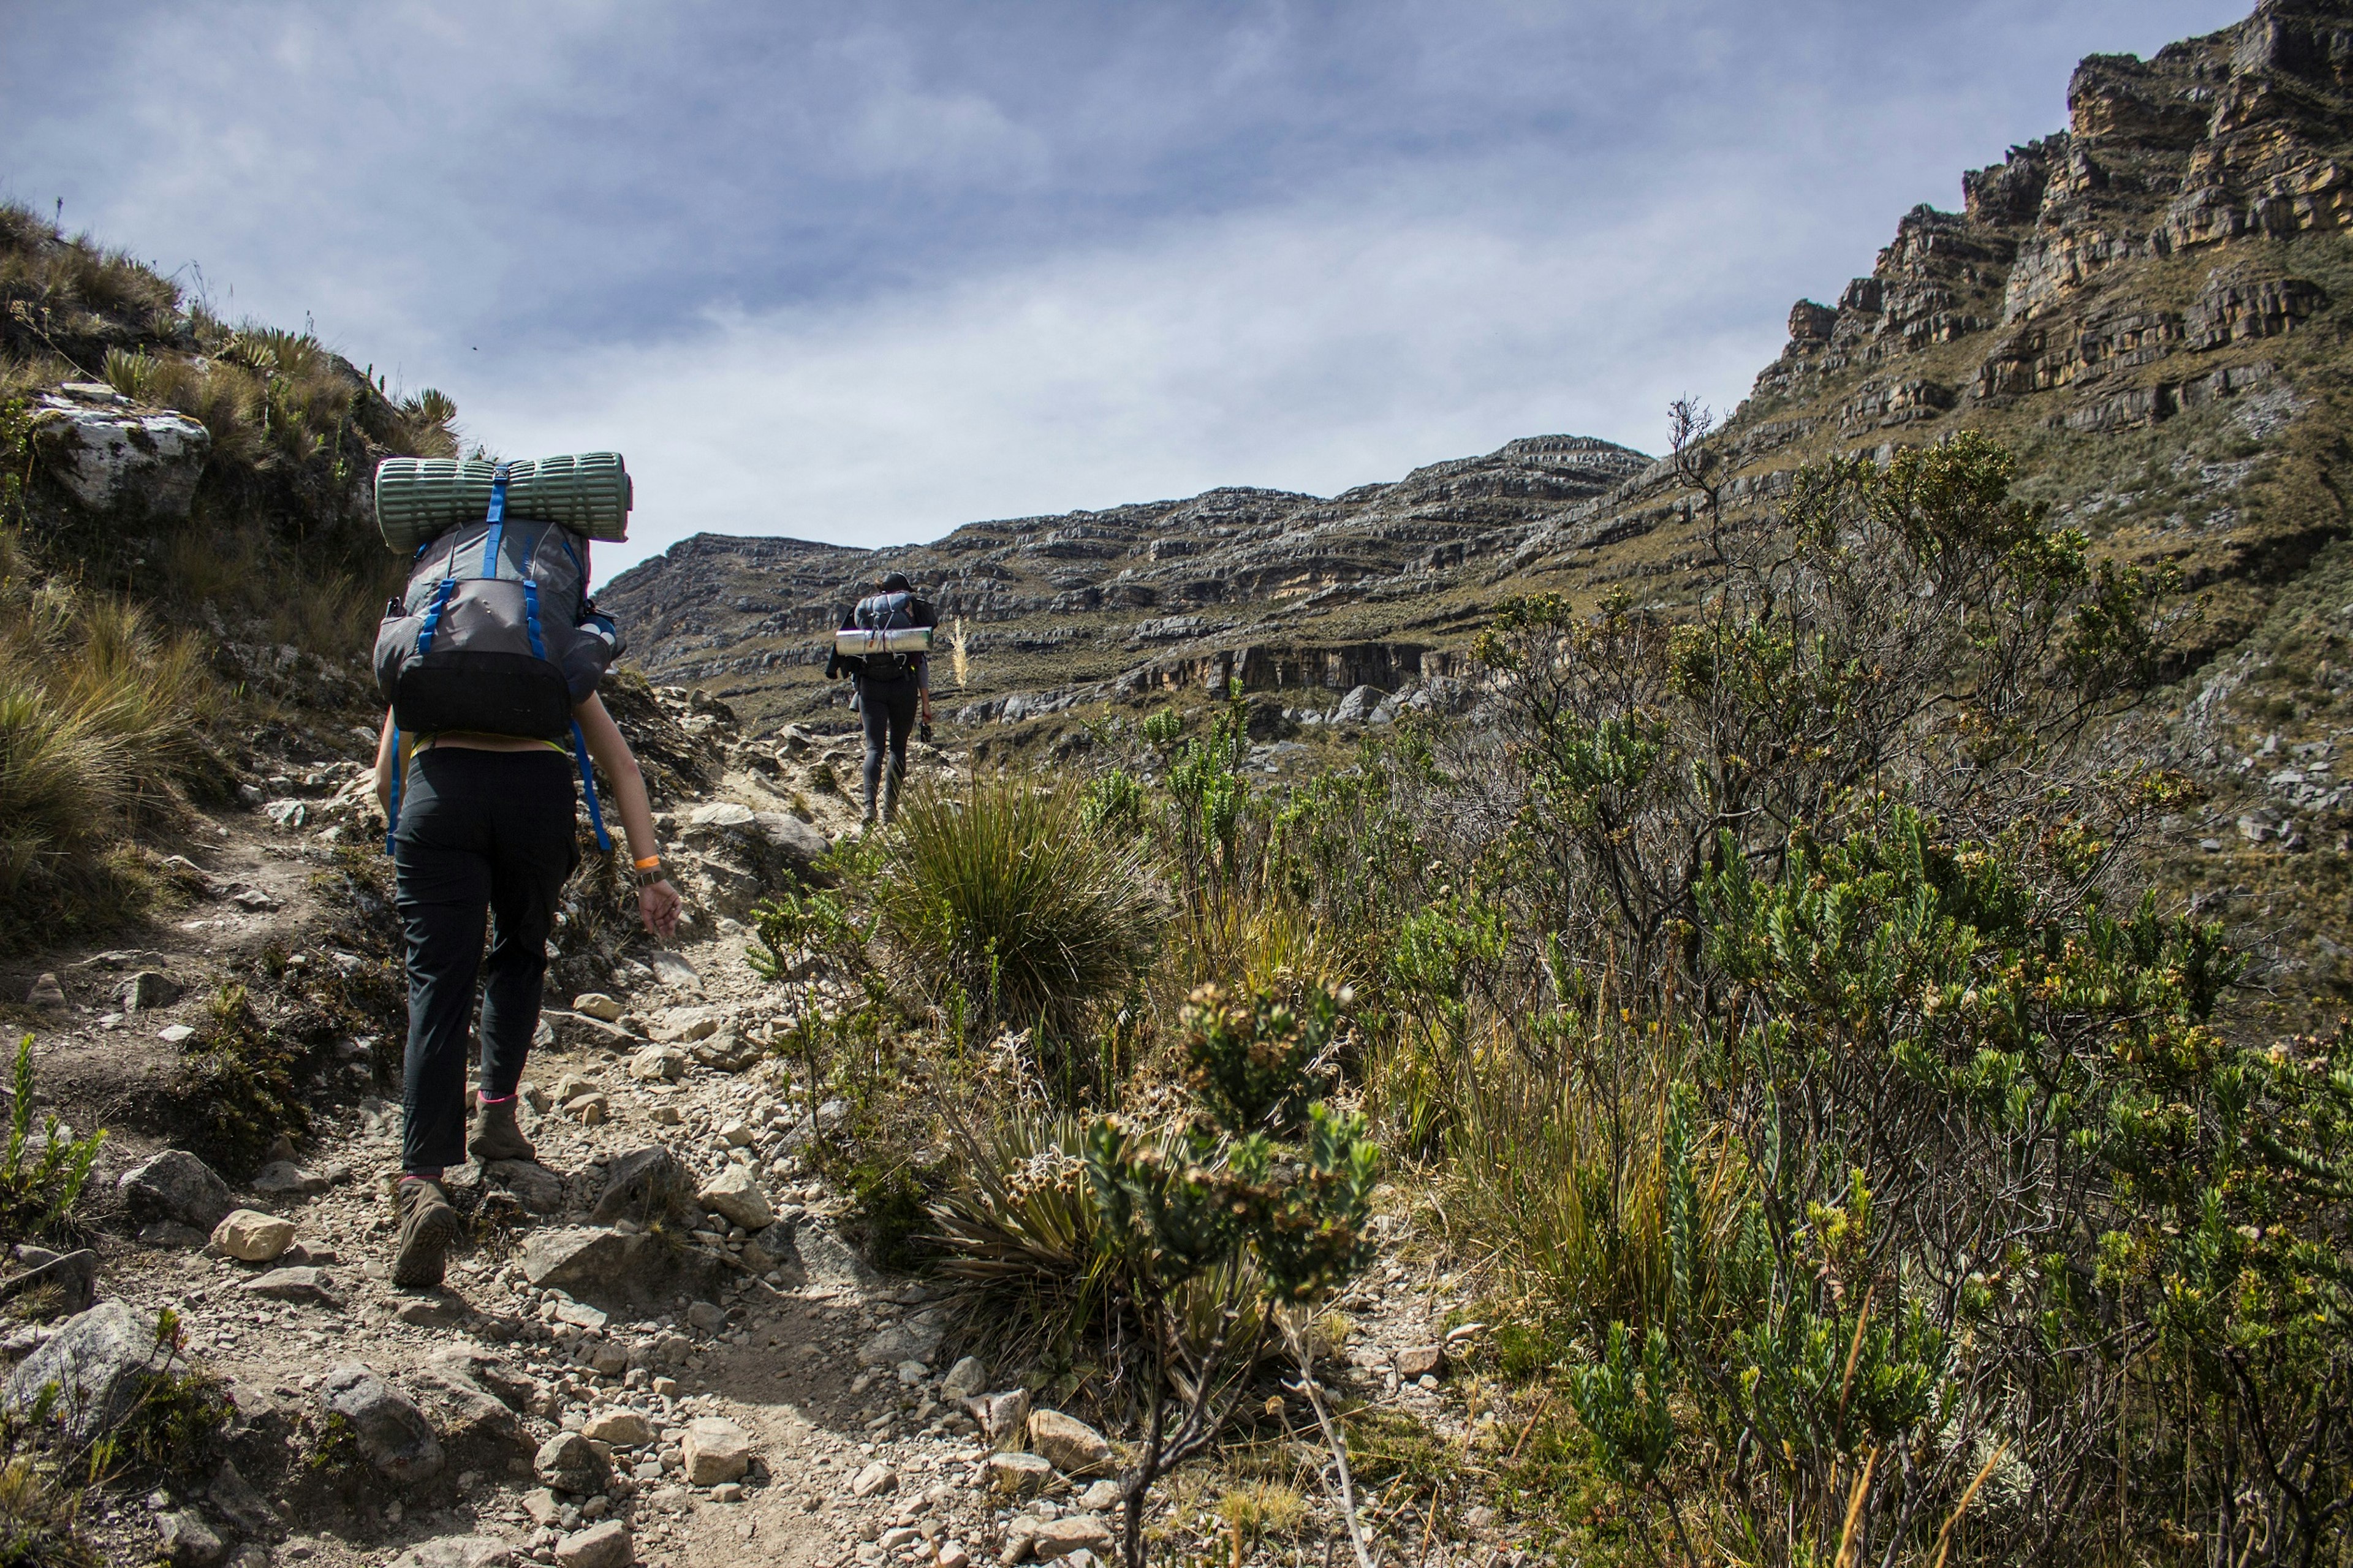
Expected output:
{"points": [[889, 709], [481, 834]]}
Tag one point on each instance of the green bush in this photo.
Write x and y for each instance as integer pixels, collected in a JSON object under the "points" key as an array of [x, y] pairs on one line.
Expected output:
{"points": [[1002, 894], [39, 1186]]}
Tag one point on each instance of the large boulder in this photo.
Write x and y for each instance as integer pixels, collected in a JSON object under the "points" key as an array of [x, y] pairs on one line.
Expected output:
{"points": [[115, 456], [392, 1433], [178, 1186], [99, 1362]]}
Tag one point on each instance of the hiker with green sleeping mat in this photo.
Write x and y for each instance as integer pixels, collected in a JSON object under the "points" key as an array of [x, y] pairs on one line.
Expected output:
{"points": [[490, 664], [884, 647]]}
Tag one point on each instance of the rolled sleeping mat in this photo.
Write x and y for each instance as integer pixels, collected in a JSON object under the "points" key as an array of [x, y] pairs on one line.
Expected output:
{"points": [[861, 641], [419, 499]]}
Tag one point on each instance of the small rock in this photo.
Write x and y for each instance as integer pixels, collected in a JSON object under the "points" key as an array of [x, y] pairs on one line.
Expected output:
{"points": [[706, 1316], [735, 1193], [589, 1110], [953, 1555], [569, 1462], [1069, 1444], [621, 1428], [1001, 1415], [176, 1033], [597, 1006], [1071, 1532], [914, 1339], [251, 1237], [458, 1551], [1017, 1475], [187, 1541], [148, 988], [392, 1433], [673, 969], [304, 1284], [658, 1064], [1100, 1497], [429, 1312], [964, 1380], [175, 1185], [876, 1478], [58, 1285], [1422, 1360], [538, 1189], [727, 1492], [286, 1177], [605, 1545], [643, 1184], [714, 1450], [45, 992]]}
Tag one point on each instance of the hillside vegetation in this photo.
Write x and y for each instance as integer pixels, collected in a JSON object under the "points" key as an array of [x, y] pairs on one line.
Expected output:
{"points": [[220, 573]]}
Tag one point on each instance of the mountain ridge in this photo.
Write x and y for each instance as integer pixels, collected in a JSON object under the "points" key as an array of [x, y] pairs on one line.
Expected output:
{"points": [[2146, 306]]}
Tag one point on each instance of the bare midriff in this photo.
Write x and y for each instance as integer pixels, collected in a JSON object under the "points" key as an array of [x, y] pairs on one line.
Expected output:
{"points": [[475, 741]]}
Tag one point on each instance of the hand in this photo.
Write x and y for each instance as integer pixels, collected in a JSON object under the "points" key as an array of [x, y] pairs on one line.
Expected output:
{"points": [[657, 906], [923, 731]]}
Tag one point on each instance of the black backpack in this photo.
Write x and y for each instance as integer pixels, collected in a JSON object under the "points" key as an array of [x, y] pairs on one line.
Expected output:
{"points": [[496, 634], [886, 612]]}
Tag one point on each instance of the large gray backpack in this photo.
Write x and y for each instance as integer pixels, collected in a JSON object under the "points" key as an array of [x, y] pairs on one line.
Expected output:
{"points": [[496, 634]]}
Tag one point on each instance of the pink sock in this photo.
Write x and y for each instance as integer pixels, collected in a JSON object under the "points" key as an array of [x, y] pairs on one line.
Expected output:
{"points": [[496, 1099]]}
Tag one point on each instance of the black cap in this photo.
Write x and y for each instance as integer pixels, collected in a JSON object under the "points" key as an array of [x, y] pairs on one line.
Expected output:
{"points": [[896, 583]]}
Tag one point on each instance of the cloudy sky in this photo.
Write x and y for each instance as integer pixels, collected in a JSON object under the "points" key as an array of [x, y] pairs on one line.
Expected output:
{"points": [[864, 272]]}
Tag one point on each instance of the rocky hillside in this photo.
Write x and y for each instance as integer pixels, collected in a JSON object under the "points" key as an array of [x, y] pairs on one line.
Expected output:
{"points": [[2150, 306]]}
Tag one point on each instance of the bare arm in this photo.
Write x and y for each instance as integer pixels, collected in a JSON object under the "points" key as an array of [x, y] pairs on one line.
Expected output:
{"points": [[387, 746], [657, 899]]}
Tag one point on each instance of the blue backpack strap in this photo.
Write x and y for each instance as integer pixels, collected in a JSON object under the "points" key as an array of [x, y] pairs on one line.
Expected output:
{"points": [[433, 615], [392, 816], [531, 616], [498, 520], [588, 787]]}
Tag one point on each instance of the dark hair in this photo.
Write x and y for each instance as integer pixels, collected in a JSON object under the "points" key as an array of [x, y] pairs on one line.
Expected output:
{"points": [[896, 583]]}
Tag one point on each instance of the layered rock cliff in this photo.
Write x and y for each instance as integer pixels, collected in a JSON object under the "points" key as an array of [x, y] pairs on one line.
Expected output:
{"points": [[2150, 306]]}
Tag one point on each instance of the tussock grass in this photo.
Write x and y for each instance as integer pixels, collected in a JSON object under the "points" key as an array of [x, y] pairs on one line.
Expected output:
{"points": [[1001, 896], [98, 717]]}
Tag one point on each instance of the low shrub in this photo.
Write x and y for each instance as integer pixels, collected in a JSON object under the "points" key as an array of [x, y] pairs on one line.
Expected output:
{"points": [[1002, 894], [40, 1184]]}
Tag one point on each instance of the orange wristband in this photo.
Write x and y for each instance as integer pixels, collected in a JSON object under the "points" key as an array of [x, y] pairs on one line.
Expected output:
{"points": [[650, 862]]}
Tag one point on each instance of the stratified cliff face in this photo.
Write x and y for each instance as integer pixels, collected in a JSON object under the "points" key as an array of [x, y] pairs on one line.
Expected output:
{"points": [[2150, 306], [1273, 587]]}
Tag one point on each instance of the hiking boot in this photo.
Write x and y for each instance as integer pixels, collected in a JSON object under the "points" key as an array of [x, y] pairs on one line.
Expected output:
{"points": [[428, 1225], [495, 1136]]}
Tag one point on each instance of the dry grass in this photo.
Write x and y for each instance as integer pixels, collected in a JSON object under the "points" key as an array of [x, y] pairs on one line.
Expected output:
{"points": [[98, 716]]}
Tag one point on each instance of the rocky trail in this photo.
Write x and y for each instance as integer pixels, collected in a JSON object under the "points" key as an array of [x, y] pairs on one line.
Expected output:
{"points": [[657, 1345]]}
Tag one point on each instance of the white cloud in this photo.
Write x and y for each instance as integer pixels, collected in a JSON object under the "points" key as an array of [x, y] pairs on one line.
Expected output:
{"points": [[1310, 349]]}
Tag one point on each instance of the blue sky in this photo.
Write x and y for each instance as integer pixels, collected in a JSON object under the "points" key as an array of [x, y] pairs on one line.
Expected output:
{"points": [[864, 272]]}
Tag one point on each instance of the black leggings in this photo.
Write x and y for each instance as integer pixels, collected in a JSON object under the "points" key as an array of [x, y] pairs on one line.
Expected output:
{"points": [[481, 832], [889, 709]]}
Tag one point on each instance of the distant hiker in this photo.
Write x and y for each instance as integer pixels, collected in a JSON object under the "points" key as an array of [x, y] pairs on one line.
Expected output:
{"points": [[890, 686], [491, 663]]}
